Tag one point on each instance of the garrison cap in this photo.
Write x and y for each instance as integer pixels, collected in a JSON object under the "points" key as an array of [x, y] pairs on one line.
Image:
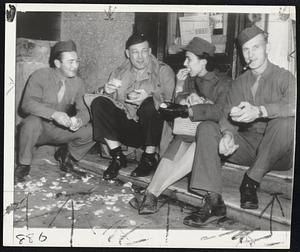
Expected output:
{"points": [[249, 33], [64, 46], [199, 46]]}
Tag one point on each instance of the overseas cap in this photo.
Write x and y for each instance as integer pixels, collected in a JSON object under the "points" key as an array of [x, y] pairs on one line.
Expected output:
{"points": [[199, 46], [64, 46], [248, 34]]}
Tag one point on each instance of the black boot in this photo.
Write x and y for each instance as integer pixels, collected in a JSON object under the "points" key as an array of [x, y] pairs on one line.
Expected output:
{"points": [[20, 172], [147, 164], [136, 201], [67, 162], [248, 192], [118, 161], [61, 156], [213, 209], [173, 110], [149, 204]]}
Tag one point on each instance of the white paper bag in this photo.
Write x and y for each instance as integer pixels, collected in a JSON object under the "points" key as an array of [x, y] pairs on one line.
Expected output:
{"points": [[184, 126]]}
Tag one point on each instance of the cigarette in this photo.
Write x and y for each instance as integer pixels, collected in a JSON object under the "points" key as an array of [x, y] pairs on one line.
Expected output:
{"points": [[245, 67]]}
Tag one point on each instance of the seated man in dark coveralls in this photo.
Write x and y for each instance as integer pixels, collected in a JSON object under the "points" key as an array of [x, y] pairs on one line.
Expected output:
{"points": [[260, 131], [57, 115], [126, 112]]}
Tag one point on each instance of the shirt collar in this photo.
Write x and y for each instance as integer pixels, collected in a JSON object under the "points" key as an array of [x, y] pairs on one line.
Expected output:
{"points": [[58, 76], [266, 73]]}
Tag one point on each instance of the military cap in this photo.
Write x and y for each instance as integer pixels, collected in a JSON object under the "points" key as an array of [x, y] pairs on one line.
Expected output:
{"points": [[136, 38], [64, 46], [199, 46], [249, 33]]}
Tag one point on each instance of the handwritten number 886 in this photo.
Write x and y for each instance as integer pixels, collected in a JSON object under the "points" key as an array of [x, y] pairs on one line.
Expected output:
{"points": [[29, 237]]}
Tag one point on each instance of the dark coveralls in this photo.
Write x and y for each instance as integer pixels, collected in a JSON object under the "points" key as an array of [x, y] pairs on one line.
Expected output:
{"points": [[265, 144], [132, 125], [40, 102]]}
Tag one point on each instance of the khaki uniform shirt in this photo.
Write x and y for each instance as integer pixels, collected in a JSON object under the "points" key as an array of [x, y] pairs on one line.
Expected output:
{"points": [[40, 97]]}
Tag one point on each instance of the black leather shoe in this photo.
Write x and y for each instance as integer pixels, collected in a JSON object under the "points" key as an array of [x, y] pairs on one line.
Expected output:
{"points": [[146, 165], [20, 172], [61, 155], [173, 110], [67, 162], [248, 191], [149, 204], [118, 161], [136, 201], [206, 214]]}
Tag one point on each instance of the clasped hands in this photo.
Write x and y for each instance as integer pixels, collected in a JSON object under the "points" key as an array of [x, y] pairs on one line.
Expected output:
{"points": [[244, 112], [73, 123]]}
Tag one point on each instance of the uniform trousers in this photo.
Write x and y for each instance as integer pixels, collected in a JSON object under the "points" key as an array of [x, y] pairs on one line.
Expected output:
{"points": [[272, 150], [110, 122], [36, 131]]}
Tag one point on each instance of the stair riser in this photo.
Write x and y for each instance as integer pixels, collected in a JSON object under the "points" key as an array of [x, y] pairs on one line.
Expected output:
{"points": [[233, 212], [269, 184]]}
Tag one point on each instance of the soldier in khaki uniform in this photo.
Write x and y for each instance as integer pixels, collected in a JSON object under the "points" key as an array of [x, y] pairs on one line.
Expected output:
{"points": [[53, 101], [257, 130]]}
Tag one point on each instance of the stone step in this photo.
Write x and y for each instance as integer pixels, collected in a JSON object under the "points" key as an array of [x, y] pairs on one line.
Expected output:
{"points": [[179, 191], [273, 182]]}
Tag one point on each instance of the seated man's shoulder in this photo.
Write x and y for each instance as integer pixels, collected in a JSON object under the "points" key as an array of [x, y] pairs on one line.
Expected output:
{"points": [[222, 77], [165, 68], [241, 78], [42, 72], [281, 71]]}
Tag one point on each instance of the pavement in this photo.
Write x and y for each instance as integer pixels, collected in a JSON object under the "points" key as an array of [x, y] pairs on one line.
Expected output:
{"points": [[51, 198]]}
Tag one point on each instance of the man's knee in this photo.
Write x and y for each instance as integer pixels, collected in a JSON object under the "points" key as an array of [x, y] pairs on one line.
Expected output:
{"points": [[283, 127], [85, 132], [100, 104], [31, 123], [147, 107], [207, 128]]}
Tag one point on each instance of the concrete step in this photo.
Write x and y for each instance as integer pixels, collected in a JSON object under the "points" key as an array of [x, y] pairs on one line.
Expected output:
{"points": [[273, 182], [179, 190]]}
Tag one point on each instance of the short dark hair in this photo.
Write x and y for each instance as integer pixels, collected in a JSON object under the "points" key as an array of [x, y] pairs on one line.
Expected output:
{"points": [[210, 66], [55, 56], [136, 38]]}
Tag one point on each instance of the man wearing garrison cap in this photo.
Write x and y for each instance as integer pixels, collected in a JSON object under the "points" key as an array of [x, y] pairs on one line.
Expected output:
{"points": [[56, 114], [257, 131], [126, 111]]}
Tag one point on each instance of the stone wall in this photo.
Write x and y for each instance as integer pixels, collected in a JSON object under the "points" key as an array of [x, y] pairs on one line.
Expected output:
{"points": [[100, 42]]}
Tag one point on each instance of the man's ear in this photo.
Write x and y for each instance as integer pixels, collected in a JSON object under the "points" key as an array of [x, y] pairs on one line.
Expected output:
{"points": [[127, 53], [204, 61], [57, 63]]}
